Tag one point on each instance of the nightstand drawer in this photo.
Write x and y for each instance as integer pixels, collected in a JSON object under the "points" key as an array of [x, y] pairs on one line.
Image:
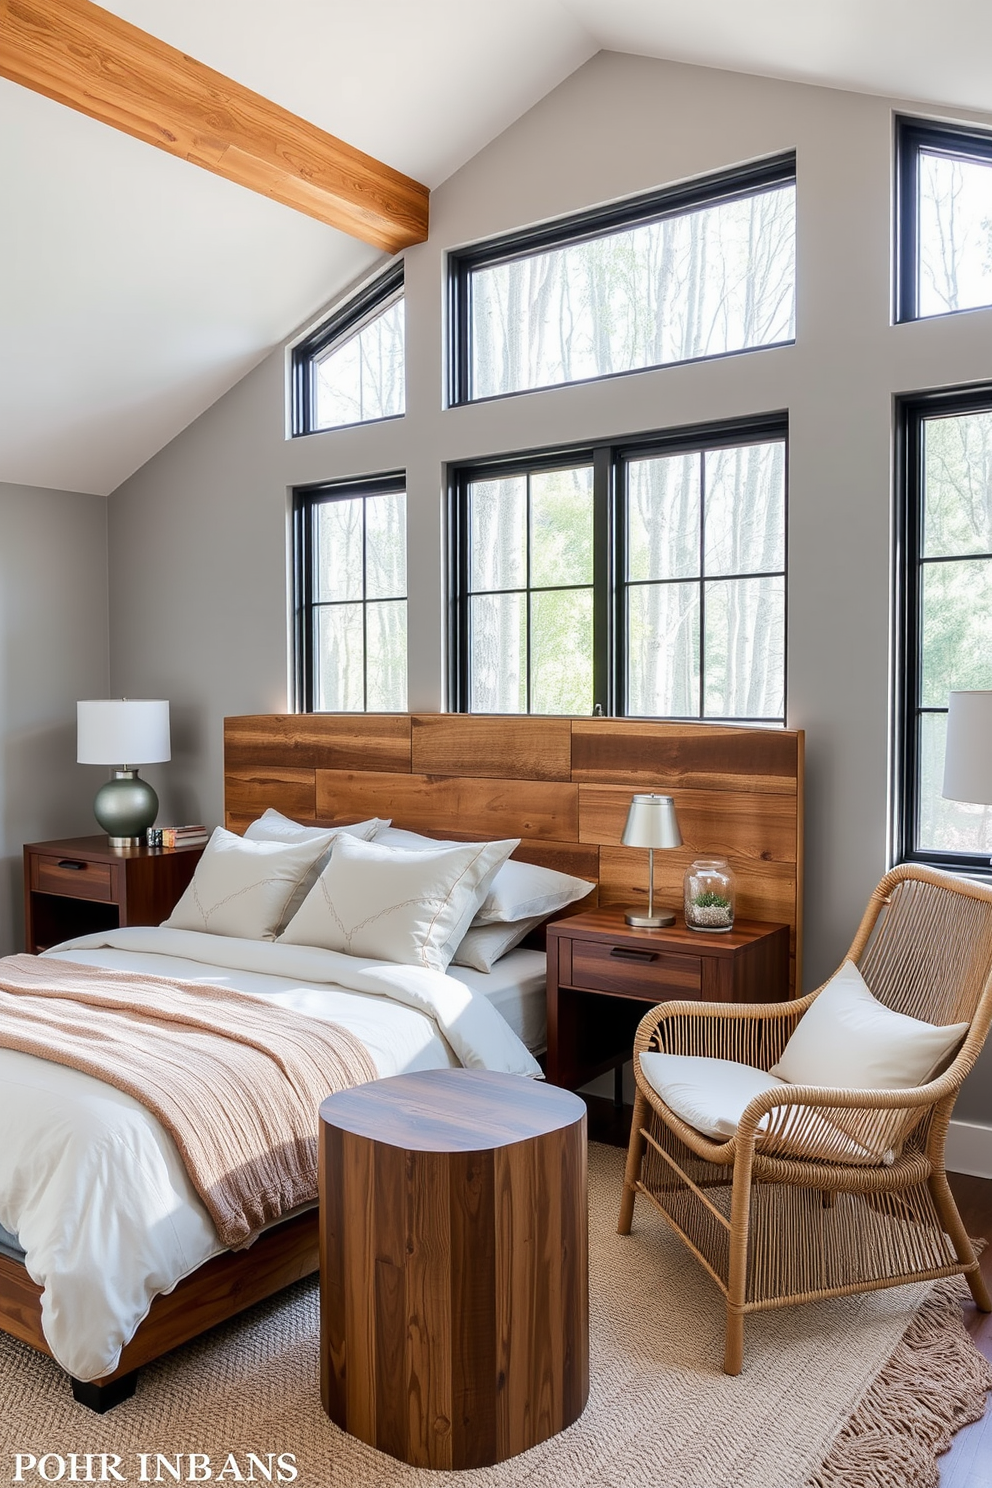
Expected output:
{"points": [[632, 971], [75, 877]]}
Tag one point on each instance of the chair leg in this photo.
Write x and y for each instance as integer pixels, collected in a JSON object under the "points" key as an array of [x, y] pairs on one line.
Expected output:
{"points": [[733, 1354], [940, 1192], [635, 1156], [740, 1214]]}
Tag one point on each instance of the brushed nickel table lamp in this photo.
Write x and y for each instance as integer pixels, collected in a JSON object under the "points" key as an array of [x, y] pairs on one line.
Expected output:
{"points": [[651, 822], [125, 732]]}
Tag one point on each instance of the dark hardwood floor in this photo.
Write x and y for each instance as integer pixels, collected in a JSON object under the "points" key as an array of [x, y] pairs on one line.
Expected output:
{"points": [[968, 1464]]}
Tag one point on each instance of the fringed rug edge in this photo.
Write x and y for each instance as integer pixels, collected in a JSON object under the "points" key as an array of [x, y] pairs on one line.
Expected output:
{"points": [[935, 1382]]}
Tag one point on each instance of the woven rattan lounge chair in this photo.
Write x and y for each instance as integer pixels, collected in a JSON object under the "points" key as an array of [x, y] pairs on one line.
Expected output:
{"points": [[771, 1213]]}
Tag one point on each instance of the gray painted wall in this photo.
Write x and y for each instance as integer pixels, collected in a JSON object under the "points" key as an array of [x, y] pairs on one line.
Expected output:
{"points": [[53, 650], [209, 513]]}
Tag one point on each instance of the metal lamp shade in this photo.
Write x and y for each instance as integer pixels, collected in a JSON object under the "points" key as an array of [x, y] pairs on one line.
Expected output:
{"points": [[123, 732], [651, 822], [968, 753]]}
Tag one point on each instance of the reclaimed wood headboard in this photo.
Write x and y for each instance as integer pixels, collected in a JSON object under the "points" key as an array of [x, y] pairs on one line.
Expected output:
{"points": [[562, 785]]}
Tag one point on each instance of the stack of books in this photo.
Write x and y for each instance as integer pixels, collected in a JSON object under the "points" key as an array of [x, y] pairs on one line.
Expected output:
{"points": [[188, 836]]}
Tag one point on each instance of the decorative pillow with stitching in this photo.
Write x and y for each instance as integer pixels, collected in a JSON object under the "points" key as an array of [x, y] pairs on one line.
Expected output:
{"points": [[272, 826], [242, 888], [395, 904]]}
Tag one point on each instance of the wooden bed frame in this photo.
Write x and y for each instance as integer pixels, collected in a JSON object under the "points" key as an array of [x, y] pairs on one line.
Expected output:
{"points": [[563, 787]]}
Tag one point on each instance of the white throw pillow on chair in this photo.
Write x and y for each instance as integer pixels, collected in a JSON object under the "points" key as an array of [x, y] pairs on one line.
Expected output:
{"points": [[848, 1039]]}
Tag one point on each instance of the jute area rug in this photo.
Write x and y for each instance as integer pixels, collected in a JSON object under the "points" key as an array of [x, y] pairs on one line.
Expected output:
{"points": [[871, 1386]]}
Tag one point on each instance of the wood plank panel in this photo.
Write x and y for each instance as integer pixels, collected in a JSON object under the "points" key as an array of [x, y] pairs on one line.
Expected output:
{"points": [[765, 891], [476, 744], [547, 810], [336, 741], [101, 65], [673, 756], [247, 793], [742, 827]]}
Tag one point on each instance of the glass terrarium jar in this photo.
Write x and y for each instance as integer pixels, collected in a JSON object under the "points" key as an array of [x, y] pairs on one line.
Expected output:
{"points": [[709, 895]]}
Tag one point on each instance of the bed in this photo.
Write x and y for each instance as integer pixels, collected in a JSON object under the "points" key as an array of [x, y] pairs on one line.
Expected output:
{"points": [[562, 787]]}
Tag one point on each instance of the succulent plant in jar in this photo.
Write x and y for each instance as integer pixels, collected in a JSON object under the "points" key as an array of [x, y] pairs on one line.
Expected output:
{"points": [[709, 895]]}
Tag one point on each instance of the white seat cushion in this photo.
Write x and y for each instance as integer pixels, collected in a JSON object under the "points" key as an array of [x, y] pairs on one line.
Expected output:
{"points": [[708, 1094], [711, 1095], [847, 1038]]}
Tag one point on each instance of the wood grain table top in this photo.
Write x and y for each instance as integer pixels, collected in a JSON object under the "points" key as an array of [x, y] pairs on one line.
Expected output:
{"points": [[452, 1110]]}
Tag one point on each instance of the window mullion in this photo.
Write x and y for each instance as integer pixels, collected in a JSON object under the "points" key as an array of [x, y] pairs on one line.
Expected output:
{"points": [[602, 574], [702, 584]]}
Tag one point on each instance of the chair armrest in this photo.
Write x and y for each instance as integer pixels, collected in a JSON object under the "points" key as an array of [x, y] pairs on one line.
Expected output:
{"points": [[752, 1033], [830, 1124]]}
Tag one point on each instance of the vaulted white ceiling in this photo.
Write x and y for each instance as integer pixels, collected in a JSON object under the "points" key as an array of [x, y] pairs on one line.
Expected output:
{"points": [[135, 288]]}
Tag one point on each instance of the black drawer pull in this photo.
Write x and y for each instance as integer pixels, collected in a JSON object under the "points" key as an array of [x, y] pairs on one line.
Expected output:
{"points": [[66, 863], [625, 953]]}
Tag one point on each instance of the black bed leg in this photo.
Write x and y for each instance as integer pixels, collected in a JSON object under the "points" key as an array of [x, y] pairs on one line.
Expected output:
{"points": [[102, 1398]]}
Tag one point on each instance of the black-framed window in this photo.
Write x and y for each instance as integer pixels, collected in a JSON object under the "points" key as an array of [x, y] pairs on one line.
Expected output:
{"points": [[645, 578], [350, 580], [699, 270], [944, 218], [945, 485], [352, 368]]}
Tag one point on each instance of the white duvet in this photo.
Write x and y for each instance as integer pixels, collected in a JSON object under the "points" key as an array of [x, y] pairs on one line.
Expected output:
{"points": [[93, 1186]]}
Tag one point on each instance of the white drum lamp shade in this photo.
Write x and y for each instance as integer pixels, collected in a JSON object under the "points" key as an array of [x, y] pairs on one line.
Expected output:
{"points": [[651, 822], [124, 732], [968, 753]]}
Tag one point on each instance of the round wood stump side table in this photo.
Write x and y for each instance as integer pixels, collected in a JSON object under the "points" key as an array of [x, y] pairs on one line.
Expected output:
{"points": [[453, 1264]]}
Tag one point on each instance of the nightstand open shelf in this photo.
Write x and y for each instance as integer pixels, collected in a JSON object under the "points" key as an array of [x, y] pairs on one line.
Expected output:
{"points": [[78, 885], [603, 975]]}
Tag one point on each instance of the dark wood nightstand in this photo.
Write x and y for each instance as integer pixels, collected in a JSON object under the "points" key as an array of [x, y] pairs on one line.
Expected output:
{"points": [[78, 885], [603, 976]]}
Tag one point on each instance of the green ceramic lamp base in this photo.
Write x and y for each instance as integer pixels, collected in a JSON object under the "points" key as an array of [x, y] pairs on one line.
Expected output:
{"points": [[125, 808]]}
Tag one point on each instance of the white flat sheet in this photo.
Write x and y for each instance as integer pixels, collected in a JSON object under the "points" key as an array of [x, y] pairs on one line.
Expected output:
{"points": [[517, 988], [92, 1185]]}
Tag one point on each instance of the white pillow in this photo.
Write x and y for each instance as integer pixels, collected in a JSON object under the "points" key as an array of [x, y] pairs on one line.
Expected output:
{"points": [[242, 888], [849, 1039], [395, 904], [523, 889], [519, 890], [272, 826], [390, 836], [483, 945]]}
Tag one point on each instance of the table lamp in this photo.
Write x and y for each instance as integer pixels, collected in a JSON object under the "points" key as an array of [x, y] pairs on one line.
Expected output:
{"points": [[968, 752], [651, 822], [124, 732]]}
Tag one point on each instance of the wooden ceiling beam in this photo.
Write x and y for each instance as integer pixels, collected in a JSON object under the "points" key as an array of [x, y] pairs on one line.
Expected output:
{"points": [[91, 60]]}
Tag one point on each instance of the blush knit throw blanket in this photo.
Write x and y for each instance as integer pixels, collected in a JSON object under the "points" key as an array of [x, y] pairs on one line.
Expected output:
{"points": [[235, 1080]]}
